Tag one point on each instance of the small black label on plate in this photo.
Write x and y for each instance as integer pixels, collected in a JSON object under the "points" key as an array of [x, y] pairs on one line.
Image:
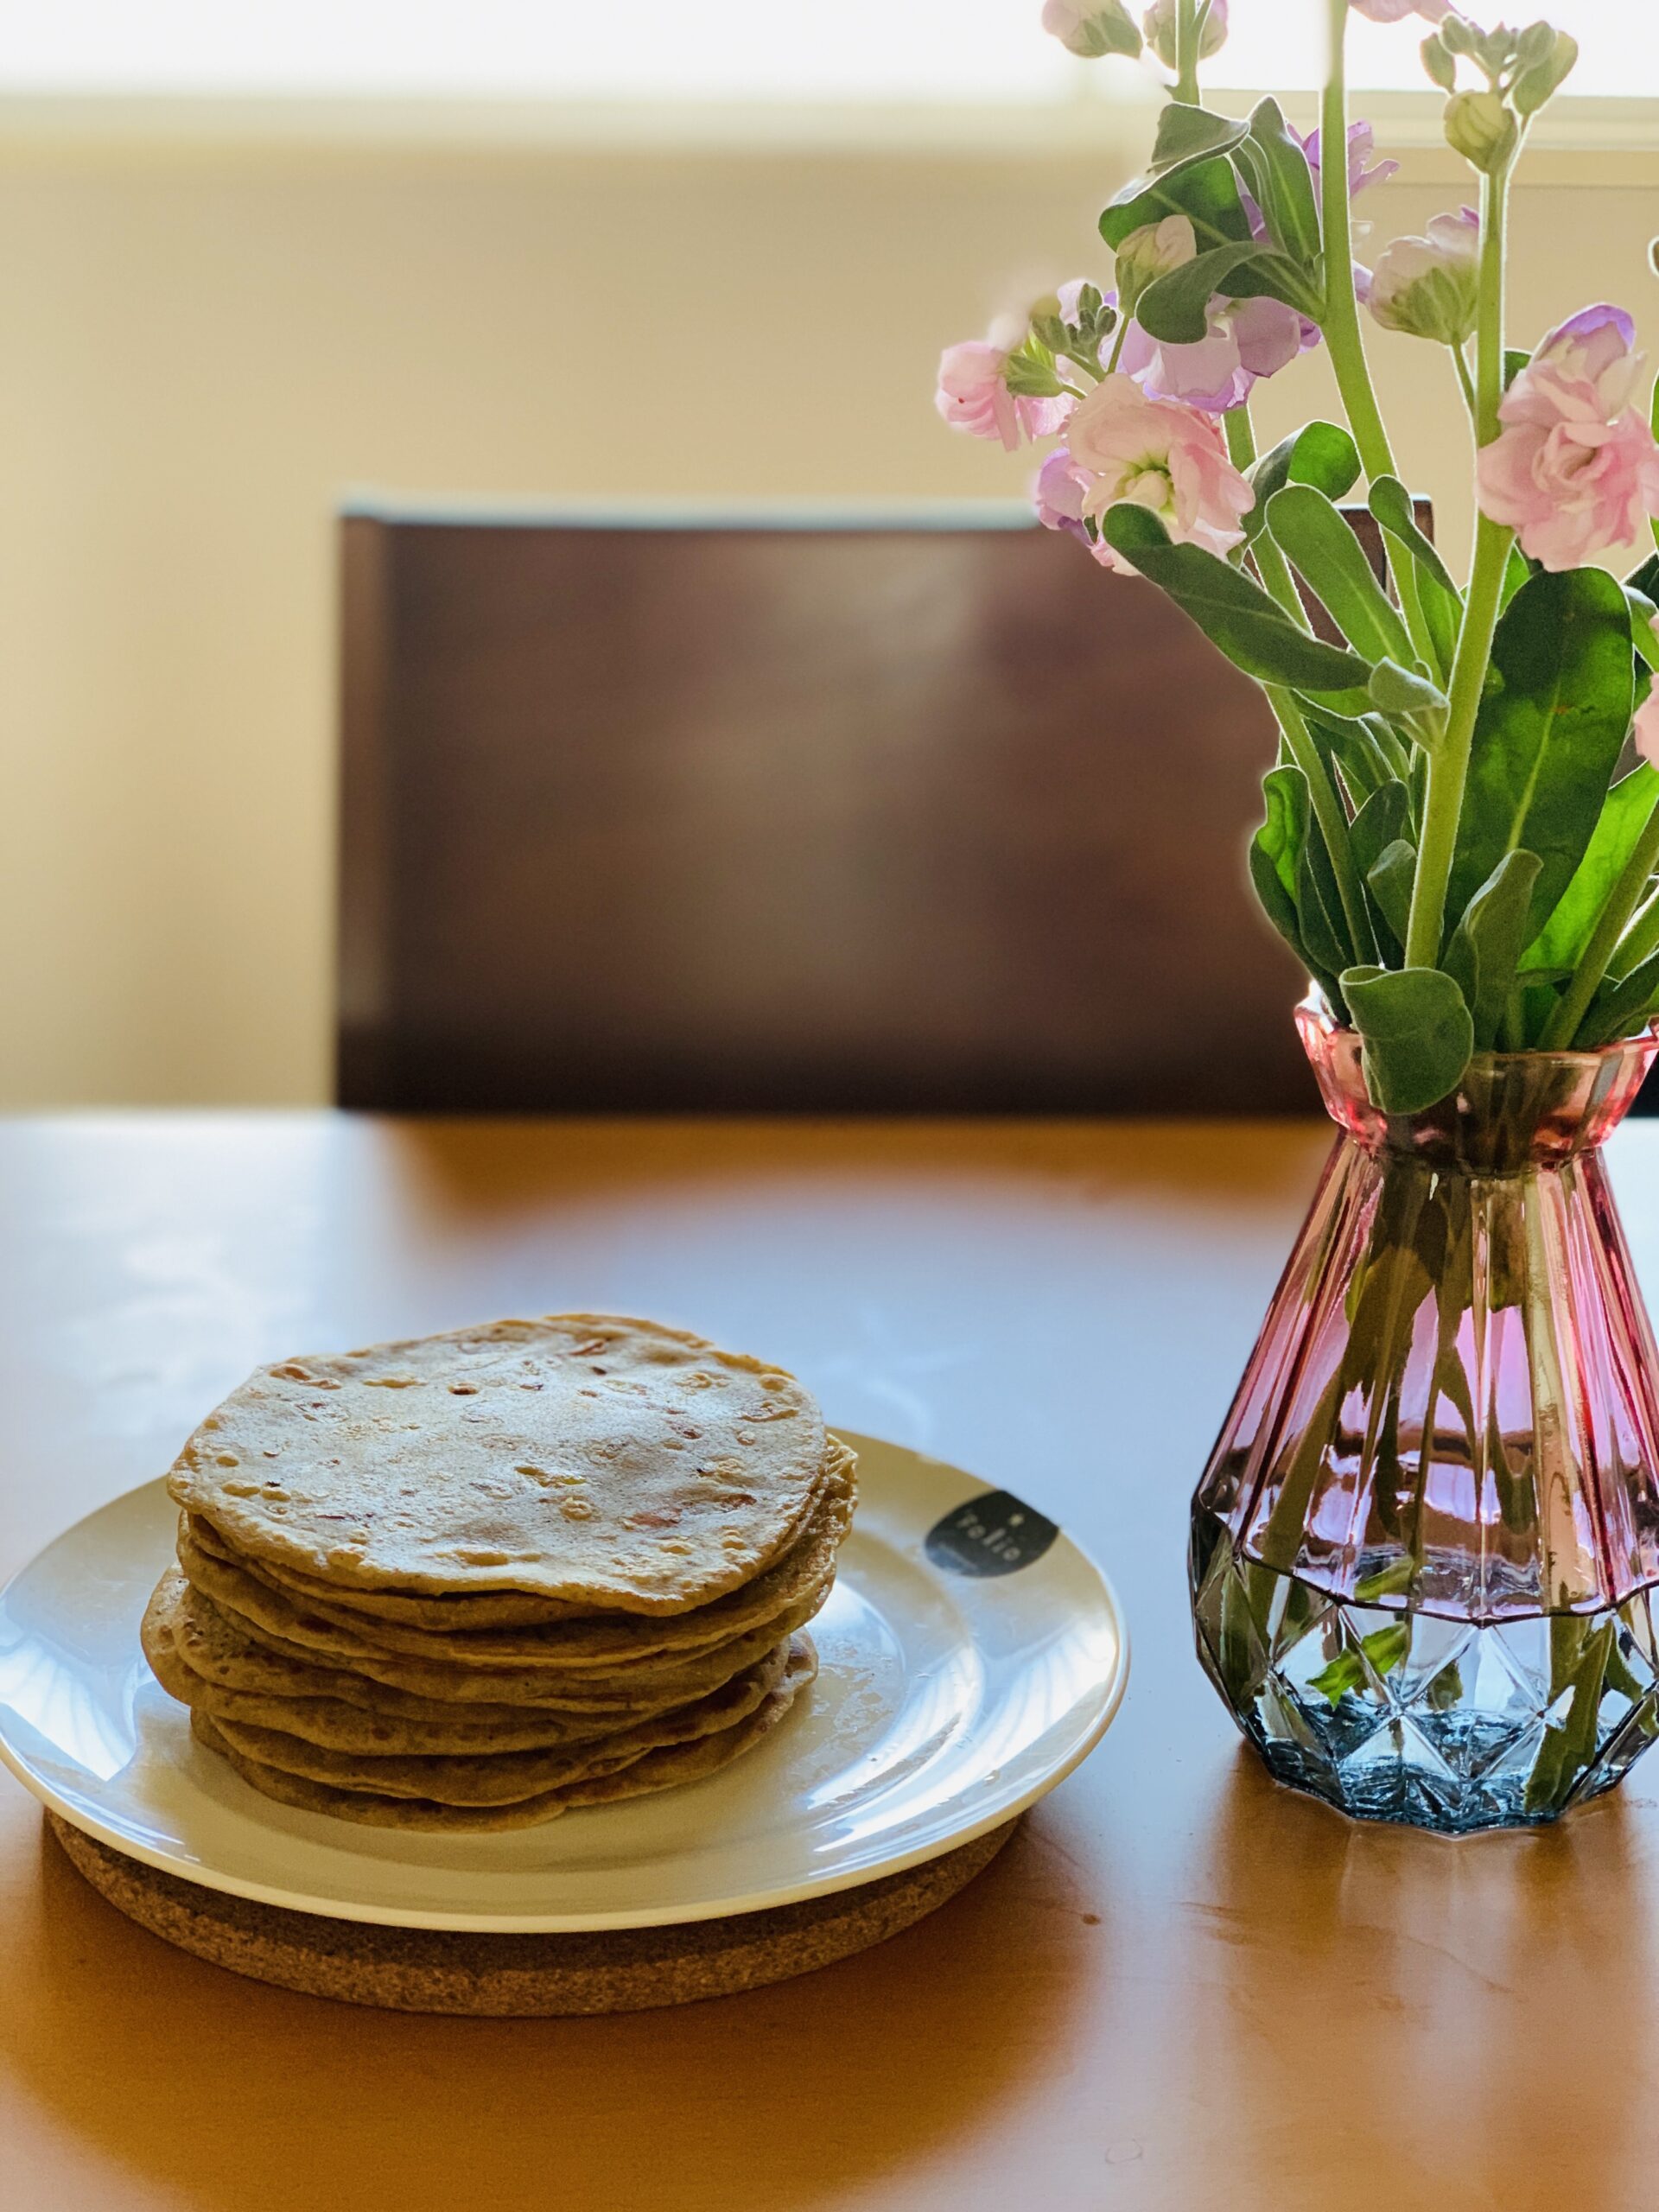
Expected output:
{"points": [[995, 1534]]}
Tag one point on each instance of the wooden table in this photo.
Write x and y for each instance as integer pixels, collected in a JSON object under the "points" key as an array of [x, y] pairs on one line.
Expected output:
{"points": [[1180, 1987]]}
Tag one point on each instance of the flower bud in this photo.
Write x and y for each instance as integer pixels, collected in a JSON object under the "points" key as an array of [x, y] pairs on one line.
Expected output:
{"points": [[1538, 80], [1429, 286], [1159, 24], [1439, 62], [1091, 28], [1151, 252], [1480, 128]]}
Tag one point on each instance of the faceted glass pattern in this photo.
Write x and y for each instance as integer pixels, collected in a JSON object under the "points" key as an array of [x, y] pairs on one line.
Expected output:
{"points": [[1424, 1549]]}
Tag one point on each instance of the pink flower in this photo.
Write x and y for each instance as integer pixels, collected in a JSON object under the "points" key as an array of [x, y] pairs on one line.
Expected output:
{"points": [[1363, 171], [972, 396], [1091, 28], [1127, 445], [1574, 470], [1248, 339], [1057, 496], [1396, 12], [1427, 286]]}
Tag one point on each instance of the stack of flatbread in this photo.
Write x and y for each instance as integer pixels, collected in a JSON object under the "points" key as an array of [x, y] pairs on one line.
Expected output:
{"points": [[466, 1582]]}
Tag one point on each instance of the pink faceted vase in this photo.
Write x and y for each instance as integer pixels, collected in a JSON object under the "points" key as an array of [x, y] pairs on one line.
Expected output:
{"points": [[1426, 1547]]}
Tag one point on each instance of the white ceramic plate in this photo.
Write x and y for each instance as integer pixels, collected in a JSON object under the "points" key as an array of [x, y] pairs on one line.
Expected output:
{"points": [[971, 1656]]}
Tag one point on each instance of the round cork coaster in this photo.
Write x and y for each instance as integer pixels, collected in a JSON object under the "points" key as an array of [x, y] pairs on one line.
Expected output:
{"points": [[442, 1970]]}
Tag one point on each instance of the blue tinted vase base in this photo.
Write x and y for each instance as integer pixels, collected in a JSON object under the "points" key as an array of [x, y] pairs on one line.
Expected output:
{"points": [[1438, 1723]]}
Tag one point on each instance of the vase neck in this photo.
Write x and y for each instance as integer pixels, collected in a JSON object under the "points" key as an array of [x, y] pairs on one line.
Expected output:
{"points": [[1512, 1112]]}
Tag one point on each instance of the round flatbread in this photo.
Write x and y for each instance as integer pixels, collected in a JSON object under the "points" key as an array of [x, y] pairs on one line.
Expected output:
{"points": [[246, 1684], [601, 1461], [667, 1769], [506, 1778], [595, 1643], [581, 1631], [269, 1619]]}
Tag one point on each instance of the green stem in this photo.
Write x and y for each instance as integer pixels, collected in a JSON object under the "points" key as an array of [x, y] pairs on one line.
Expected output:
{"points": [[1605, 940], [1331, 818], [1466, 382], [1124, 323], [1448, 767], [1187, 33], [1343, 337], [1342, 330]]}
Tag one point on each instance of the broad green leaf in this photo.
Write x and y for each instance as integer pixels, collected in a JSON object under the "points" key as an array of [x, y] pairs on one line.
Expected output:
{"points": [[1319, 454], [1559, 945], [1384, 818], [1236, 614], [1320, 545], [1206, 193], [1389, 880], [1518, 572], [1551, 728], [1642, 636], [1270, 276], [1276, 855], [1620, 1008], [1383, 821], [1441, 602], [1174, 310], [1280, 182], [1644, 577], [1411, 703], [1415, 1034], [1188, 134], [1364, 749], [1318, 902], [1486, 946]]}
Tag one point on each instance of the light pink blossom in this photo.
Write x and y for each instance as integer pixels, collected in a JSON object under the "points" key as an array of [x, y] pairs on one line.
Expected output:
{"points": [[1427, 286], [1159, 25], [1057, 495], [1396, 12], [1574, 470], [1127, 445], [1363, 171], [1089, 28], [973, 395], [1248, 340]]}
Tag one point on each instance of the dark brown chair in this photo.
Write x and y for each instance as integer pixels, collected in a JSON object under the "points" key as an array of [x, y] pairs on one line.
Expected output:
{"points": [[921, 813]]}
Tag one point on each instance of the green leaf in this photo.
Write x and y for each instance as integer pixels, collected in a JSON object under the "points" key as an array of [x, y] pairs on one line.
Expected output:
{"points": [[1280, 182], [1620, 1008], [1234, 613], [1382, 823], [1517, 571], [1319, 543], [1319, 454], [1415, 1033], [1206, 193], [1410, 702], [1363, 747], [1486, 946], [1559, 945], [1384, 819], [1441, 602], [1551, 728], [1275, 859], [1175, 309], [1389, 880], [1188, 134], [1318, 902]]}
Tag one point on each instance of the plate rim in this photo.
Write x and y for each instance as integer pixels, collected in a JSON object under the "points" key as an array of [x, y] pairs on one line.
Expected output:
{"points": [[827, 1882]]}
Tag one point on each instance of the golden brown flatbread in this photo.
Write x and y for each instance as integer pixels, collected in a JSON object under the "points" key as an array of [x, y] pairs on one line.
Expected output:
{"points": [[601, 1461], [593, 1643], [670, 1768]]}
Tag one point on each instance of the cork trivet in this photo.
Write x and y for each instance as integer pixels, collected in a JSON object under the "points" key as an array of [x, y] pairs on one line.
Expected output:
{"points": [[441, 1970]]}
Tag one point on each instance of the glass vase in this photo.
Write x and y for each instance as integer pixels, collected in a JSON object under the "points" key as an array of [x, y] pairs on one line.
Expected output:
{"points": [[1425, 1549]]}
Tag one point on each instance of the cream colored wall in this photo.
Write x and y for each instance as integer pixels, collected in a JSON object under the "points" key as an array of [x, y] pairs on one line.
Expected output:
{"points": [[199, 350]]}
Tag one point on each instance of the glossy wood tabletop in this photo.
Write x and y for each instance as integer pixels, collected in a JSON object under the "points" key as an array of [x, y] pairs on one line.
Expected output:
{"points": [[1180, 1987]]}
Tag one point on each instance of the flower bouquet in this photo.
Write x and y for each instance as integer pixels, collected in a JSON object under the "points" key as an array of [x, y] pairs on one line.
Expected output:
{"points": [[1425, 1549]]}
